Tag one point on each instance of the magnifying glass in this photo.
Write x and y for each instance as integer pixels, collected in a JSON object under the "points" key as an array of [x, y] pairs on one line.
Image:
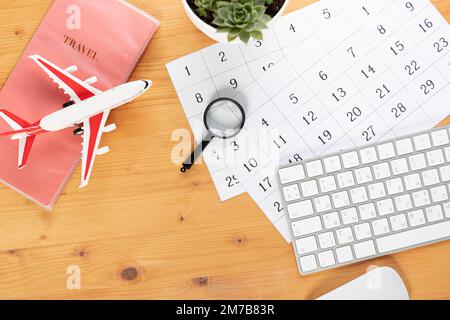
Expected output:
{"points": [[224, 118]]}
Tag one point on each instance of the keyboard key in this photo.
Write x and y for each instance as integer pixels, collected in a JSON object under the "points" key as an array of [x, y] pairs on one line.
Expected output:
{"points": [[326, 259], [386, 151], [359, 195], [326, 240], [434, 214], [323, 204], [344, 254], [440, 138], [291, 174], [344, 236], [447, 153], [404, 146], [363, 175], [345, 180], [417, 162], [327, 184], [362, 231], [435, 157], [307, 226], [367, 211], [394, 186], [300, 209], [380, 226], [308, 263], [445, 173], [421, 198], [422, 142], [399, 166], [306, 245], [340, 199], [332, 164], [364, 249], [349, 216], [368, 155], [309, 188], [439, 194], [403, 202], [412, 182], [291, 193], [381, 171], [447, 209], [314, 168], [350, 160], [385, 207], [377, 191], [331, 220], [413, 237], [416, 218], [430, 177], [398, 222]]}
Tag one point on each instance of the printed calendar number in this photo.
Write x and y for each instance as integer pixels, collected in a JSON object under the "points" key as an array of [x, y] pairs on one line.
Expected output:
{"points": [[397, 48], [354, 114], [268, 66], [383, 92], [325, 137], [340, 93], [199, 98], [280, 141], [293, 98], [381, 29], [234, 83], [426, 25], [222, 57], [440, 45], [278, 206], [310, 117], [399, 110], [351, 51], [412, 67], [326, 13], [265, 184], [427, 87], [367, 73], [251, 164], [369, 133], [409, 6], [235, 146], [323, 76], [232, 181]]}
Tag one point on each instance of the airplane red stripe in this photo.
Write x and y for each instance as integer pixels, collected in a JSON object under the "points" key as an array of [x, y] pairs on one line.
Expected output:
{"points": [[94, 127], [26, 153], [15, 118], [80, 91]]}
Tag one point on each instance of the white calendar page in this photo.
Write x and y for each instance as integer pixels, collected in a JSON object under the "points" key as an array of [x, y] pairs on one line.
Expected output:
{"points": [[224, 70], [379, 70]]}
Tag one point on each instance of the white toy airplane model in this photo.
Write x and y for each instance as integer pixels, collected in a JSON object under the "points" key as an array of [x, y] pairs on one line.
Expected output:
{"points": [[88, 106]]}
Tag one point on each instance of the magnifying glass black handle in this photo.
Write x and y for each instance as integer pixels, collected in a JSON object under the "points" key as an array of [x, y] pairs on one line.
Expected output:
{"points": [[194, 156]]}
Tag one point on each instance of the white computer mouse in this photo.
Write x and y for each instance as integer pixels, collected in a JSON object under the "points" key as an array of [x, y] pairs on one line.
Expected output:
{"points": [[381, 283]]}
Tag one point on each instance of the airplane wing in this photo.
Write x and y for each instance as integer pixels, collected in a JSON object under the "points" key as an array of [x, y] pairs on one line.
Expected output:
{"points": [[93, 128], [75, 88]]}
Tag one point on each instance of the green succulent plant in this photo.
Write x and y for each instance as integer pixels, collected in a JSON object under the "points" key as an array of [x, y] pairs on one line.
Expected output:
{"points": [[203, 6], [243, 19]]}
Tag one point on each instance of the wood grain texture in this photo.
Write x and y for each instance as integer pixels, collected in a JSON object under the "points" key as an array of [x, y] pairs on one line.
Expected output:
{"points": [[141, 229]]}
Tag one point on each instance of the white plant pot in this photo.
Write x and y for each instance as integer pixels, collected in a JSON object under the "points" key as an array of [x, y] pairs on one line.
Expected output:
{"points": [[211, 31]]}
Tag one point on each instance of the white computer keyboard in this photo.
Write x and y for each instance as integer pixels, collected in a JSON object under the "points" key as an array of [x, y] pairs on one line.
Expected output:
{"points": [[368, 202]]}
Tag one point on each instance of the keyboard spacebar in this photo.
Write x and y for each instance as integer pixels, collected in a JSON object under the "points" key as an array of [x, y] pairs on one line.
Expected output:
{"points": [[414, 237]]}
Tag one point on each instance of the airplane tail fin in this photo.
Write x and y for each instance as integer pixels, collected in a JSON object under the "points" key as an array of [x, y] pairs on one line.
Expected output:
{"points": [[20, 128]]}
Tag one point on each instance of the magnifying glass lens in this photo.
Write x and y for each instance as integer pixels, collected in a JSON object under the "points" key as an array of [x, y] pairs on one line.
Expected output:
{"points": [[224, 119]]}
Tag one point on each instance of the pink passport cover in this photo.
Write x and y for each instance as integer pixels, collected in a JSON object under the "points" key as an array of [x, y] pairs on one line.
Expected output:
{"points": [[116, 34]]}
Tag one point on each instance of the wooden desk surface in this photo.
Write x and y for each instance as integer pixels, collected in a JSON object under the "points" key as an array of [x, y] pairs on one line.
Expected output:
{"points": [[146, 231]]}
